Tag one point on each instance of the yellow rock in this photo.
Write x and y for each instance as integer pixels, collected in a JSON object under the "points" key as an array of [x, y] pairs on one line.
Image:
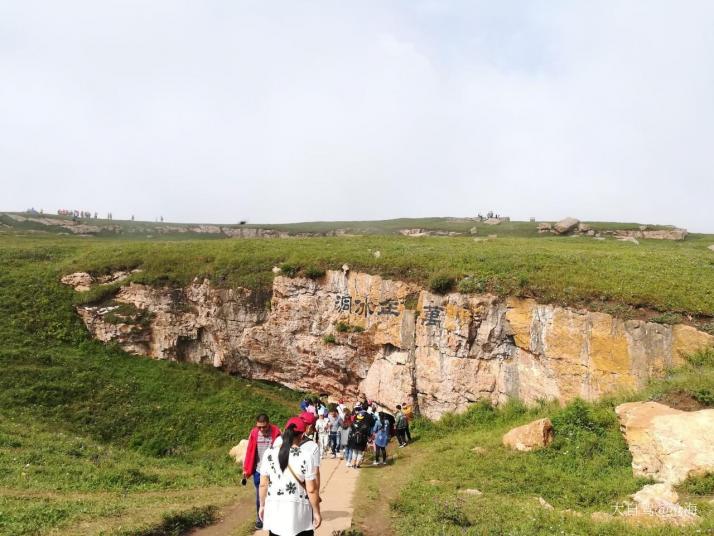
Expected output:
{"points": [[610, 356], [687, 340], [520, 316], [565, 338]]}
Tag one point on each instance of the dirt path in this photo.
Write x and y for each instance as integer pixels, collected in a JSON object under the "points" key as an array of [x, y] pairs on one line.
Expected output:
{"points": [[337, 489]]}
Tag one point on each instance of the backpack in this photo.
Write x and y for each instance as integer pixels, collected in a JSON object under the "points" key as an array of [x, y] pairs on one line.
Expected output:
{"points": [[401, 421]]}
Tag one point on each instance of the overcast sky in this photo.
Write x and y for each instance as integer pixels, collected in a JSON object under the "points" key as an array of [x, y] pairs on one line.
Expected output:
{"points": [[218, 111]]}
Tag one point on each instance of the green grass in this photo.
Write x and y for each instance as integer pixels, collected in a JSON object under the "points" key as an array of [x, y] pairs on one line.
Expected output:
{"points": [[91, 437], [93, 440], [617, 277], [586, 469]]}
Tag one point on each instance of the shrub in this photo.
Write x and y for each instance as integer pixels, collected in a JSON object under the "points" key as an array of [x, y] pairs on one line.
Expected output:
{"points": [[667, 318], [699, 485], [329, 339], [344, 327], [314, 272], [289, 270], [471, 285], [411, 301], [702, 358], [442, 283]]}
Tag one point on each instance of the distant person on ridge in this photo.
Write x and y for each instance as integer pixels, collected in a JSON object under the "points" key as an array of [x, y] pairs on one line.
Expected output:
{"points": [[261, 438]]}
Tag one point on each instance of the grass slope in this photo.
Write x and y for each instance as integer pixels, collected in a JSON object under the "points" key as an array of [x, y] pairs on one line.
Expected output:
{"points": [[95, 441]]}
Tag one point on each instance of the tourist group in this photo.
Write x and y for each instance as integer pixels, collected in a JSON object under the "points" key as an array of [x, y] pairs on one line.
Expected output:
{"points": [[285, 465]]}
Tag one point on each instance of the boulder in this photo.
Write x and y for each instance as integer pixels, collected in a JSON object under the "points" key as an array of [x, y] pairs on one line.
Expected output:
{"points": [[238, 452], [667, 445], [545, 504], [531, 436], [545, 227], [584, 228], [471, 491], [711, 247], [81, 281], [566, 225], [660, 501]]}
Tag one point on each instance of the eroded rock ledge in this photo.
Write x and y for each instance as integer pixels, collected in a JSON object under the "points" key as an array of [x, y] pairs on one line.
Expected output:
{"points": [[393, 340]]}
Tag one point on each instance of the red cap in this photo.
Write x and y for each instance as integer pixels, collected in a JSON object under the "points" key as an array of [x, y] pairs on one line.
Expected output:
{"points": [[308, 418], [298, 422]]}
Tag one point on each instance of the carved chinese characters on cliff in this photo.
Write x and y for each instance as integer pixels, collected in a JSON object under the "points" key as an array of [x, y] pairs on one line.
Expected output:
{"points": [[362, 307], [433, 315]]}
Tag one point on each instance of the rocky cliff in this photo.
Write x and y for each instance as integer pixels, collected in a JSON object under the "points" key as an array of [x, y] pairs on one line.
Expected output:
{"points": [[350, 332]]}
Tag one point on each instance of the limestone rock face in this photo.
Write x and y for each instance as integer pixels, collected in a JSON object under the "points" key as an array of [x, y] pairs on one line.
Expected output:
{"points": [[238, 452], [393, 340], [531, 436], [566, 225], [667, 444]]}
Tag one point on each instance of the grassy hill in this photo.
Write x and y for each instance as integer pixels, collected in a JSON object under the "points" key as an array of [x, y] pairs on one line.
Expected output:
{"points": [[95, 441], [177, 230]]}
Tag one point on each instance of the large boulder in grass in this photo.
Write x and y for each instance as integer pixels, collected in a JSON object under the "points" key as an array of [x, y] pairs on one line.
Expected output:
{"points": [[531, 436], [667, 444], [566, 225], [238, 452]]}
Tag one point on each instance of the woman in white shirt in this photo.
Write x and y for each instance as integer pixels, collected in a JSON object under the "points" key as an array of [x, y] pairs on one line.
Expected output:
{"points": [[289, 498]]}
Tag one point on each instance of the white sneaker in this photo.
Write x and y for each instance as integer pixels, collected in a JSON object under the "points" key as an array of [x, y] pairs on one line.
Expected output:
{"points": [[375, 463], [349, 465]]}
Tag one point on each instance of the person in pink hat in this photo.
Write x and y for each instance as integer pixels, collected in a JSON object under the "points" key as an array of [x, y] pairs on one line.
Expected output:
{"points": [[289, 493], [310, 447]]}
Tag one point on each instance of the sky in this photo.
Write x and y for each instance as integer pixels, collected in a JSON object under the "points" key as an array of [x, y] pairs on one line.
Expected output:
{"points": [[268, 111]]}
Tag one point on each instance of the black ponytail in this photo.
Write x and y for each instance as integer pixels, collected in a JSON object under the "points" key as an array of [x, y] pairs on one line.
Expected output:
{"points": [[284, 453]]}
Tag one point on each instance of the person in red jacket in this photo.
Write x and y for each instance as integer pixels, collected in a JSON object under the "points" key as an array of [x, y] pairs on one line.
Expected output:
{"points": [[260, 439]]}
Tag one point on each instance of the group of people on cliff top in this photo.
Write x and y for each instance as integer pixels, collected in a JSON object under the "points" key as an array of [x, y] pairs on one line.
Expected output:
{"points": [[285, 465]]}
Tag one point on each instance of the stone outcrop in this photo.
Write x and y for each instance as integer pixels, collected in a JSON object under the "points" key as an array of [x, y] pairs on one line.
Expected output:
{"points": [[573, 227], [83, 281], [531, 436], [426, 232], [668, 445], [653, 234], [349, 332], [566, 225]]}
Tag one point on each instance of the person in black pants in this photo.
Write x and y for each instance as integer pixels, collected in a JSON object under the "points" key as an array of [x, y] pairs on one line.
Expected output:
{"points": [[401, 427]]}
